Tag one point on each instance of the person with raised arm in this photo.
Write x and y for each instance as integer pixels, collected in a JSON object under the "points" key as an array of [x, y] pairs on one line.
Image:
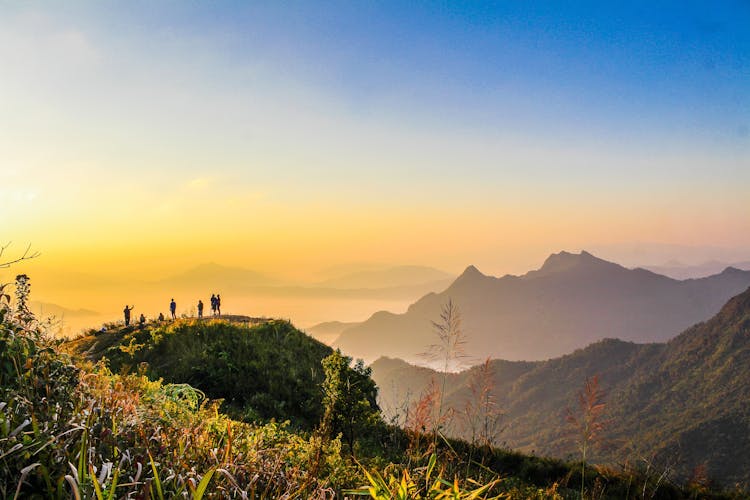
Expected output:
{"points": [[126, 312]]}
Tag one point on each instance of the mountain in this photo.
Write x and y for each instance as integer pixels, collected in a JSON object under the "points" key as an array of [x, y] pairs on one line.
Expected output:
{"points": [[681, 271], [685, 402], [212, 276], [328, 331], [399, 276], [47, 309], [568, 303]]}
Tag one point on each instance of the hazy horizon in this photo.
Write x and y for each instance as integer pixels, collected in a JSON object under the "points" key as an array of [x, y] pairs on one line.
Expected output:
{"points": [[305, 302]]}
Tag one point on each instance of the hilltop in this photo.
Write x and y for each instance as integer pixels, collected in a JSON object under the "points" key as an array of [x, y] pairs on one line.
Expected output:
{"points": [[261, 369], [571, 301], [682, 404]]}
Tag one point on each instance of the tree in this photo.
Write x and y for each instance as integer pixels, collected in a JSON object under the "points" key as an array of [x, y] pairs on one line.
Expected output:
{"points": [[349, 398]]}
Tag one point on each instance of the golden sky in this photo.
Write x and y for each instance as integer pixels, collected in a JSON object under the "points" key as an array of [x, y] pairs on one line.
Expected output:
{"points": [[141, 142]]}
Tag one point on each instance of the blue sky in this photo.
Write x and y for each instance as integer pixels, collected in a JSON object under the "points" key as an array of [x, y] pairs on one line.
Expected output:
{"points": [[595, 63], [677, 69], [592, 122]]}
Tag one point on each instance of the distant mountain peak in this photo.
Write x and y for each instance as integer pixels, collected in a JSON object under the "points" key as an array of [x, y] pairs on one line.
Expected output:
{"points": [[732, 270], [564, 261], [471, 272]]}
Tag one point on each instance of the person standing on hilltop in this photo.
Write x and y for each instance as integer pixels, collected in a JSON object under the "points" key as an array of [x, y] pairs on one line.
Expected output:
{"points": [[173, 309], [126, 312], [142, 320], [213, 304], [200, 308], [218, 304]]}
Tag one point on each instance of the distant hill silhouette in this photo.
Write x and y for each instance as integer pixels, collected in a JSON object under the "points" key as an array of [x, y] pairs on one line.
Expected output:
{"points": [[212, 276], [570, 302], [398, 276], [47, 309], [685, 402], [328, 331], [680, 271]]}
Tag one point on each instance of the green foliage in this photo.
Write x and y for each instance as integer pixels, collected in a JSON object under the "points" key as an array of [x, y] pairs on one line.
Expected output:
{"points": [[423, 485], [262, 372], [36, 404], [349, 399]]}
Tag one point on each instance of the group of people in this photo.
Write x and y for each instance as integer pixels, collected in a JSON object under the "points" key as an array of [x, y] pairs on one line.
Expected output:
{"points": [[215, 310], [215, 305]]}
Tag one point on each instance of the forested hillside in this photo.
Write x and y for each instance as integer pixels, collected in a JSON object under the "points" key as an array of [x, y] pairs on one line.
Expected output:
{"points": [[682, 405]]}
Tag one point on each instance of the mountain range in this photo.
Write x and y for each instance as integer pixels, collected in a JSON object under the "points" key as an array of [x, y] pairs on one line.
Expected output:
{"points": [[45, 310], [679, 405], [211, 276], [680, 271], [568, 303]]}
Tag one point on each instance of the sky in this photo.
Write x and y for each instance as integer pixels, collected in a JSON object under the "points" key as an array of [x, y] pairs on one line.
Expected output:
{"points": [[138, 139]]}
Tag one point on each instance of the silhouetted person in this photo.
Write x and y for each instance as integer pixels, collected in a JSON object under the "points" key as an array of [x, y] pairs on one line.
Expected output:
{"points": [[213, 304], [218, 304], [126, 312], [161, 316], [173, 309], [142, 320], [200, 308]]}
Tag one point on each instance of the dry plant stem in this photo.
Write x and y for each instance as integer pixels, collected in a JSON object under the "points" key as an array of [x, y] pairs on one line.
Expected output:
{"points": [[588, 422], [448, 349], [27, 254]]}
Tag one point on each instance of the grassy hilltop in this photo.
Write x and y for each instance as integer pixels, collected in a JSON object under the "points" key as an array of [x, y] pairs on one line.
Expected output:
{"points": [[263, 371]]}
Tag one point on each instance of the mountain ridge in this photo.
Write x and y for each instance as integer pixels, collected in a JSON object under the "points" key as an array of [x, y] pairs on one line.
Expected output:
{"points": [[569, 302]]}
